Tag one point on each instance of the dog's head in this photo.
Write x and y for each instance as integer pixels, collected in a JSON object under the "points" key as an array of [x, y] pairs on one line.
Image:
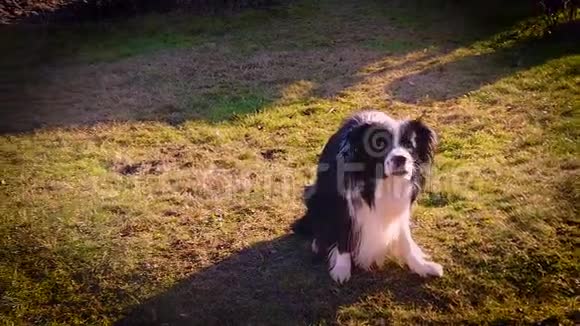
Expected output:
{"points": [[392, 149]]}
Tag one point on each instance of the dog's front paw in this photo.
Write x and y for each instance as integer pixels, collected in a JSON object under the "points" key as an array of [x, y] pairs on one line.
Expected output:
{"points": [[340, 273], [340, 266], [426, 268]]}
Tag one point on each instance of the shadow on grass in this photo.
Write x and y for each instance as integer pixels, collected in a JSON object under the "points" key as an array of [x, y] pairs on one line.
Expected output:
{"points": [[454, 79], [201, 84], [66, 76], [272, 282], [218, 68]]}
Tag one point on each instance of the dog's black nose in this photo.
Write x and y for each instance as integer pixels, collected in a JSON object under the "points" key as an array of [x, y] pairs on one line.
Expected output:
{"points": [[399, 161]]}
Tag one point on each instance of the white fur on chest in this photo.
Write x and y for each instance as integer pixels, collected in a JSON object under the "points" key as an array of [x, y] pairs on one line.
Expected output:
{"points": [[379, 227]]}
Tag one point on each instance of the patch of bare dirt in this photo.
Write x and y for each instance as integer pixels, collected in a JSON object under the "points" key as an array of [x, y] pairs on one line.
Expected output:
{"points": [[169, 158], [147, 167], [273, 154]]}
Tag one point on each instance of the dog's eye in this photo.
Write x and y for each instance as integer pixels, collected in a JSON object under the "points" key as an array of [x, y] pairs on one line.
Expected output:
{"points": [[409, 141]]}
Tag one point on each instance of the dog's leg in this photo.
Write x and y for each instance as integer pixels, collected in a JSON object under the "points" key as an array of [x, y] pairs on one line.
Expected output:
{"points": [[414, 256], [339, 257], [339, 265]]}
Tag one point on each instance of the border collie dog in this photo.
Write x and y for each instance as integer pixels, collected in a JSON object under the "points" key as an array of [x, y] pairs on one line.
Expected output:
{"points": [[358, 211]]}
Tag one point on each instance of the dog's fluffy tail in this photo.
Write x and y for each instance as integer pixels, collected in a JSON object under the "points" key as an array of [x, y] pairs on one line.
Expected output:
{"points": [[303, 226]]}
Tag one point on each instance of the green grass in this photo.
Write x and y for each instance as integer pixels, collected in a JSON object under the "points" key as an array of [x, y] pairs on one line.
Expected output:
{"points": [[218, 107], [176, 207], [391, 46]]}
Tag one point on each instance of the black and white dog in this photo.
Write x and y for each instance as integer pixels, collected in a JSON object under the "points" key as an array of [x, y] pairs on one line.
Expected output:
{"points": [[369, 174]]}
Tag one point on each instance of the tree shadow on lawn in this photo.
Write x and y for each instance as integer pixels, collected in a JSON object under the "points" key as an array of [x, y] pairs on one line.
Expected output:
{"points": [[217, 68], [209, 84], [209, 81], [454, 79], [272, 282]]}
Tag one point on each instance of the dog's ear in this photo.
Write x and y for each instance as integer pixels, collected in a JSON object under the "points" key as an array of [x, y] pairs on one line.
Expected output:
{"points": [[425, 141], [345, 150]]}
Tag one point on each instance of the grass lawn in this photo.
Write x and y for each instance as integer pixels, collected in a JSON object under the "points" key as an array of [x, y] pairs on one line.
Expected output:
{"points": [[150, 169]]}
